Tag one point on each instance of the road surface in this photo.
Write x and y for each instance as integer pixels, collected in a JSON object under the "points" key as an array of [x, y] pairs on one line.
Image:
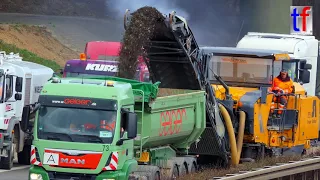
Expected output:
{"points": [[72, 31], [18, 172]]}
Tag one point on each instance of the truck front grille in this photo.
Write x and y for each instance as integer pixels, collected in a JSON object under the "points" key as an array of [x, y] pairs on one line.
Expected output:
{"points": [[70, 176]]}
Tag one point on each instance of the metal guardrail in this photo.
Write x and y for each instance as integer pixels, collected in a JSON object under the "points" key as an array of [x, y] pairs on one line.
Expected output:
{"points": [[279, 171]]}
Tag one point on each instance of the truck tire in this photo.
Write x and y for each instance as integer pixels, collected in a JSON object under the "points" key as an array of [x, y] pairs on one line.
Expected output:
{"points": [[193, 168], [175, 172], [24, 155], [152, 172], [156, 175], [7, 162]]}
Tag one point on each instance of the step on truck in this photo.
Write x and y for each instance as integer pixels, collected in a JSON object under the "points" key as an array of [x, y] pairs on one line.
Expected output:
{"points": [[125, 129], [20, 85]]}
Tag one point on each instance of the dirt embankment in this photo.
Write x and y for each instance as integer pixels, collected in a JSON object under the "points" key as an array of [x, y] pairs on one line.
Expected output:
{"points": [[88, 8], [38, 40]]}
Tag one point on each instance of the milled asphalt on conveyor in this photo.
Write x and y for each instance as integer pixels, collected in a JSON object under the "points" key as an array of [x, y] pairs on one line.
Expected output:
{"points": [[72, 31]]}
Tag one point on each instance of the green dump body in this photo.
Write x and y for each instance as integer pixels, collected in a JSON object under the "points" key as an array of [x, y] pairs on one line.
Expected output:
{"points": [[177, 119], [174, 117]]}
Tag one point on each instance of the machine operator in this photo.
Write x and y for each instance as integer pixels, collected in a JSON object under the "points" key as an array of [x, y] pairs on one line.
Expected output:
{"points": [[282, 84]]}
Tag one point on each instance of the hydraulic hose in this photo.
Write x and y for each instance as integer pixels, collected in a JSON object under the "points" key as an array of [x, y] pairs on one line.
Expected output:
{"points": [[242, 122], [236, 147]]}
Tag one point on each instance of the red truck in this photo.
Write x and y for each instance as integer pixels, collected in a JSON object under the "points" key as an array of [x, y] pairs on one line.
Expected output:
{"points": [[99, 59]]}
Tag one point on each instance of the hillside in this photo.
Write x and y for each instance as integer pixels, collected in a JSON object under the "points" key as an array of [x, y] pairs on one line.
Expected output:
{"points": [[37, 40], [88, 8]]}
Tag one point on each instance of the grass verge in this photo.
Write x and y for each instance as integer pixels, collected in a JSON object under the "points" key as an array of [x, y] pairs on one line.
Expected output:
{"points": [[29, 56]]}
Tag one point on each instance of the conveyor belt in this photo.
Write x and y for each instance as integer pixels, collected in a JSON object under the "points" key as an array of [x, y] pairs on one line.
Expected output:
{"points": [[173, 60]]}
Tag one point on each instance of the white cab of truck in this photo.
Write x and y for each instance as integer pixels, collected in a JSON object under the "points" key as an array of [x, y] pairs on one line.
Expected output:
{"points": [[298, 47], [20, 85]]}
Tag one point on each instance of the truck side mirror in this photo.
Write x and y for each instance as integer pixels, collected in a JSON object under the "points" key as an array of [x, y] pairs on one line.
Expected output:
{"points": [[304, 76], [131, 125], [18, 97], [24, 123], [19, 81], [306, 66]]}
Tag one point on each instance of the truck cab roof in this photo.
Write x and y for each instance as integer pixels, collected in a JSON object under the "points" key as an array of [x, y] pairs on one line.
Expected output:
{"points": [[257, 53], [298, 46], [91, 88]]}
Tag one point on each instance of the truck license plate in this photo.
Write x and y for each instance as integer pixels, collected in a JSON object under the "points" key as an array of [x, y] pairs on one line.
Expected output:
{"points": [[51, 159]]}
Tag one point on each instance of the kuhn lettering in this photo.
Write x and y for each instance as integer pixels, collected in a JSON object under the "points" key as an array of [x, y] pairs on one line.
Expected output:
{"points": [[77, 101], [72, 161], [102, 67]]}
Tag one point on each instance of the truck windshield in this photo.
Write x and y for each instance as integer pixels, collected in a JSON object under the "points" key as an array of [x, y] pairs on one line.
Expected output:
{"points": [[76, 125], [1, 87], [236, 70]]}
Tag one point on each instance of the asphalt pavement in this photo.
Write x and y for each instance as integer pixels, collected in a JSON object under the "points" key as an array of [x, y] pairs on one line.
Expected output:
{"points": [[18, 172], [72, 31]]}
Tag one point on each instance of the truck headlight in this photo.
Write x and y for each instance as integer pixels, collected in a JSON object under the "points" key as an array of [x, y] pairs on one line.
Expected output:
{"points": [[34, 176]]}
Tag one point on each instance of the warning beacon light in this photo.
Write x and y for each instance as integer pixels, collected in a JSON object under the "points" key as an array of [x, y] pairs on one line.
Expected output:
{"points": [[110, 83], [83, 57]]}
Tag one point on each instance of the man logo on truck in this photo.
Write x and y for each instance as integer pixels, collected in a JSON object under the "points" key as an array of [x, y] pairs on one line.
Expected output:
{"points": [[102, 67], [72, 161]]}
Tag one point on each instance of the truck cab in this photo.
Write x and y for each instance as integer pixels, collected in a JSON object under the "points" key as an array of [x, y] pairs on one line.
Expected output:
{"points": [[297, 46], [20, 84], [100, 59], [102, 50], [80, 132], [90, 68], [97, 68]]}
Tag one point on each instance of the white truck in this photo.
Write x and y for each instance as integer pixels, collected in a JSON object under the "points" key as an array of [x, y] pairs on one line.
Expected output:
{"points": [[20, 85], [298, 47]]}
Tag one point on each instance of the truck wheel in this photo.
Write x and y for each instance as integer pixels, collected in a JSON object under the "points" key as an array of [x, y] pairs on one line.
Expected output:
{"points": [[175, 172], [153, 172], [157, 175], [193, 168], [24, 156], [184, 169], [7, 162]]}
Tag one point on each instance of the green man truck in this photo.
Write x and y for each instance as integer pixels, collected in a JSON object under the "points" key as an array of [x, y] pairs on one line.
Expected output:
{"points": [[113, 129]]}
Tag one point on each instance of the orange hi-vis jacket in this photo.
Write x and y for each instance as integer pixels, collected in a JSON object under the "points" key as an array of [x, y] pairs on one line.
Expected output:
{"points": [[286, 85]]}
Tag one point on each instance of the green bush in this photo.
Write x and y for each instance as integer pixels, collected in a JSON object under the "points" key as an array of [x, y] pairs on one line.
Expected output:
{"points": [[29, 56]]}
